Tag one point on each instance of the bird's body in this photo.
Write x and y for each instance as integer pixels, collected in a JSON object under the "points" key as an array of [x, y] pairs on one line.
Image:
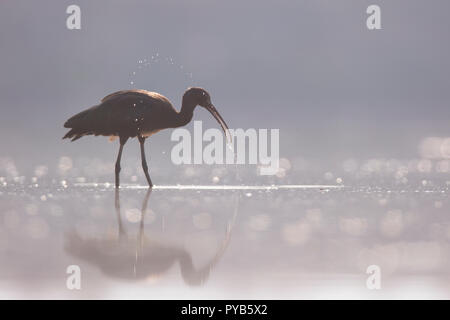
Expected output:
{"points": [[137, 113], [124, 113]]}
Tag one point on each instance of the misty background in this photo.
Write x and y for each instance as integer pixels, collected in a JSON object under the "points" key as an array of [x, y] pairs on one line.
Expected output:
{"points": [[312, 69]]}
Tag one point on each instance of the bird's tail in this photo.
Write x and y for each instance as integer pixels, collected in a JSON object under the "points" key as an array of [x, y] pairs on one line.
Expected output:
{"points": [[73, 134], [78, 125]]}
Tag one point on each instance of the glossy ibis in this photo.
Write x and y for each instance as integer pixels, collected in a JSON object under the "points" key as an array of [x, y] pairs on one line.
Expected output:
{"points": [[138, 113]]}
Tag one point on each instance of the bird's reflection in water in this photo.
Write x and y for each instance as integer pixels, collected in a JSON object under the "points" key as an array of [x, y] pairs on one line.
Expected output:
{"points": [[141, 258]]}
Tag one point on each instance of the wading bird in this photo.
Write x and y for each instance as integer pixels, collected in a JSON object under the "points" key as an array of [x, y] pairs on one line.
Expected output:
{"points": [[138, 113]]}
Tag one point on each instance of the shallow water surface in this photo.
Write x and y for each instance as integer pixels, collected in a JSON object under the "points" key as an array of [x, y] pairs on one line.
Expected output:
{"points": [[223, 242]]}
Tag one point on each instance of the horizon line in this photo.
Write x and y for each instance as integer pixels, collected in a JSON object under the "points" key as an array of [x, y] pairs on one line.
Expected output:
{"points": [[215, 187]]}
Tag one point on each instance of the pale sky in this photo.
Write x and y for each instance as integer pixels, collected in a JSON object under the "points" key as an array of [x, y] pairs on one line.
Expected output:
{"points": [[309, 68]]}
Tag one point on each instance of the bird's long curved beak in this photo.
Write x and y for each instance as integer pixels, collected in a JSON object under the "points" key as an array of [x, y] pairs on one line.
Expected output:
{"points": [[220, 120]]}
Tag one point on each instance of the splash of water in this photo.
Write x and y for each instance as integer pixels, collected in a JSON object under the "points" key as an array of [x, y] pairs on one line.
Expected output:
{"points": [[146, 64]]}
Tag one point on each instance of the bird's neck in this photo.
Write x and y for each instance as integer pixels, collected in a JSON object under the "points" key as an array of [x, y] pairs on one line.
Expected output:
{"points": [[186, 113]]}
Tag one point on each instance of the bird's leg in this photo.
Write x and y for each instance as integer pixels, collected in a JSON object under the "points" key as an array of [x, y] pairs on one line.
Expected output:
{"points": [[144, 161], [123, 140]]}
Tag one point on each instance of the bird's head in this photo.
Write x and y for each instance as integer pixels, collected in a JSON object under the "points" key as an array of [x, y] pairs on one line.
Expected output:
{"points": [[198, 96]]}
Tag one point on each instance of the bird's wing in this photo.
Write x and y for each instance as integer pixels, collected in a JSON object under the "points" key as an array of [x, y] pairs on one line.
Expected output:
{"points": [[140, 108], [121, 113], [136, 94]]}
